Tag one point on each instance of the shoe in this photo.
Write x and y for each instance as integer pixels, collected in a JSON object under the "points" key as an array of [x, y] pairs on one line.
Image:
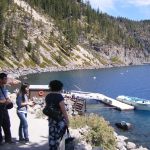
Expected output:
{"points": [[10, 142], [26, 141], [21, 140]]}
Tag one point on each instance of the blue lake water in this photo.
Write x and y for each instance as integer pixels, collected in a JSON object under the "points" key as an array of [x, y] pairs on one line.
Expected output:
{"points": [[131, 81]]}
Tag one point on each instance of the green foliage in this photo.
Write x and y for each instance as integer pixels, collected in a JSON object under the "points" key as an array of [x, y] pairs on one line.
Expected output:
{"points": [[47, 61], [18, 47], [36, 57], [100, 133], [3, 7], [29, 63], [1, 29], [68, 15], [43, 64], [29, 47], [116, 60], [59, 59], [77, 21]]}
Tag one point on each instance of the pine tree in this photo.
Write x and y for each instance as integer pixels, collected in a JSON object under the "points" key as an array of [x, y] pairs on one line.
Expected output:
{"points": [[1, 30]]}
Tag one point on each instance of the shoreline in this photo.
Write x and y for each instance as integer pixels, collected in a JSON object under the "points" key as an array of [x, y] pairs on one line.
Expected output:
{"points": [[18, 72]]}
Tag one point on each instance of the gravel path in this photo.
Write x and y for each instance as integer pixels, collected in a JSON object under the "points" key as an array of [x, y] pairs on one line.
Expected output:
{"points": [[38, 133]]}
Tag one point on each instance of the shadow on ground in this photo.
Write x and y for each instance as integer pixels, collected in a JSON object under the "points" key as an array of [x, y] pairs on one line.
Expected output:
{"points": [[43, 145]]}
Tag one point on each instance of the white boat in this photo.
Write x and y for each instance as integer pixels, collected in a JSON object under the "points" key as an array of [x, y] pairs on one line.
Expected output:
{"points": [[138, 103]]}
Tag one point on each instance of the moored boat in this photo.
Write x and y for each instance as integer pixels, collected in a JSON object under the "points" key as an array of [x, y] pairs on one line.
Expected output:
{"points": [[138, 103]]}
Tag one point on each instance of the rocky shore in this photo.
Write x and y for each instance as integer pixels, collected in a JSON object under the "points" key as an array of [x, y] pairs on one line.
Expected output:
{"points": [[22, 71], [17, 72], [123, 143]]}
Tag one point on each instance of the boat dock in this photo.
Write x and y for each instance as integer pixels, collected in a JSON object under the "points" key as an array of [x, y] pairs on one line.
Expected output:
{"points": [[102, 98]]}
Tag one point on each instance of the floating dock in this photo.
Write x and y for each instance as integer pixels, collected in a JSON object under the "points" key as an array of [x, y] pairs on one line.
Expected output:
{"points": [[102, 98]]}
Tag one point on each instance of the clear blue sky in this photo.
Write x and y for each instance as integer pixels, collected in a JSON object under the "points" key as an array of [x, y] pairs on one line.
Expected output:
{"points": [[131, 9]]}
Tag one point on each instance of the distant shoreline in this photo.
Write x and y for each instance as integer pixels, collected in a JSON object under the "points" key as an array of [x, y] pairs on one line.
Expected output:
{"points": [[25, 71], [16, 73]]}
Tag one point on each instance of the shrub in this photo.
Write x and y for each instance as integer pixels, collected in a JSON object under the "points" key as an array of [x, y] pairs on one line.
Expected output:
{"points": [[100, 133]]}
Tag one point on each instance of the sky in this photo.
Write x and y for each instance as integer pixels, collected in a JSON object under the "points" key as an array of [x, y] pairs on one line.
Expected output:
{"points": [[131, 9]]}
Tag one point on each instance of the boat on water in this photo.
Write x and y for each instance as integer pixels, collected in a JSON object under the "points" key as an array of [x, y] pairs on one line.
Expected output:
{"points": [[138, 103]]}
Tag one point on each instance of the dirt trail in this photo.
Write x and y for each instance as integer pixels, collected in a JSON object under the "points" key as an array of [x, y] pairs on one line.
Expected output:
{"points": [[38, 133]]}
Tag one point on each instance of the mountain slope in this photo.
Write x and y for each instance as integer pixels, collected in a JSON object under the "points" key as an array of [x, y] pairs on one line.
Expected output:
{"points": [[33, 37]]}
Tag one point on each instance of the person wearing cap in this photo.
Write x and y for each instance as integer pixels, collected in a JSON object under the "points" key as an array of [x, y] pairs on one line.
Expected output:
{"points": [[4, 116]]}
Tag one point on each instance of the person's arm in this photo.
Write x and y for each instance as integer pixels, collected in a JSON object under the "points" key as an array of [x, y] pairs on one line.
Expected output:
{"points": [[20, 103], [27, 102], [62, 107], [6, 99], [2, 101]]}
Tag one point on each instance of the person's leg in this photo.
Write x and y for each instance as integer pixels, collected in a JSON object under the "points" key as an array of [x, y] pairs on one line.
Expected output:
{"points": [[21, 135], [6, 126], [1, 137], [56, 132], [23, 129], [1, 119], [51, 139]]}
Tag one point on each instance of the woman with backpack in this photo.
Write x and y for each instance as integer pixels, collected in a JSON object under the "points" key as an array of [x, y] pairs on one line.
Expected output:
{"points": [[57, 117]]}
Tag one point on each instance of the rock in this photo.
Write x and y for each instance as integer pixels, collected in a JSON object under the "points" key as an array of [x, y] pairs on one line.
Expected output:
{"points": [[37, 107], [121, 145], [115, 134], [84, 130], [123, 125], [123, 148], [131, 145], [142, 148], [97, 148], [75, 133], [121, 138], [83, 146]]}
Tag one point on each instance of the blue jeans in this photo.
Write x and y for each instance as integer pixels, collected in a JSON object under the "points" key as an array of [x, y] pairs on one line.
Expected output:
{"points": [[23, 127]]}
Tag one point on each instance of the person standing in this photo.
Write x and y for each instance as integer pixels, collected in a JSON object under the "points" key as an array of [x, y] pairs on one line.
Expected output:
{"points": [[22, 102], [4, 116], [57, 128]]}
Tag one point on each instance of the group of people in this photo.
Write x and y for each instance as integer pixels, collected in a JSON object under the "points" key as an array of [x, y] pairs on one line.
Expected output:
{"points": [[57, 128]]}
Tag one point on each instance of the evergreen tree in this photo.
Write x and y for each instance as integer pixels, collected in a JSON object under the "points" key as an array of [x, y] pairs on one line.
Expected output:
{"points": [[2, 7]]}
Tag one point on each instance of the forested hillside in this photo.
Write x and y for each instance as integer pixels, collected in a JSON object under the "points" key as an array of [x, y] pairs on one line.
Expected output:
{"points": [[68, 33]]}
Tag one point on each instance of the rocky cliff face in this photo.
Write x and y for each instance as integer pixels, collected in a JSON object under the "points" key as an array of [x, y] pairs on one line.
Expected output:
{"points": [[33, 39]]}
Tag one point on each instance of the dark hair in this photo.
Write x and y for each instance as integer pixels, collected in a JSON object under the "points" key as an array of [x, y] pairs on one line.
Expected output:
{"points": [[3, 75], [23, 87], [56, 85], [23, 90]]}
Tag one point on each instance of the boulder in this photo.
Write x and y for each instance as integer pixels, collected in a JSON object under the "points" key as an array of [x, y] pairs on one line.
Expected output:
{"points": [[131, 145]]}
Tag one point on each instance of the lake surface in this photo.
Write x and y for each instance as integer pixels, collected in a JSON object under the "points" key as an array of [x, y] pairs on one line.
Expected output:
{"points": [[131, 81]]}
